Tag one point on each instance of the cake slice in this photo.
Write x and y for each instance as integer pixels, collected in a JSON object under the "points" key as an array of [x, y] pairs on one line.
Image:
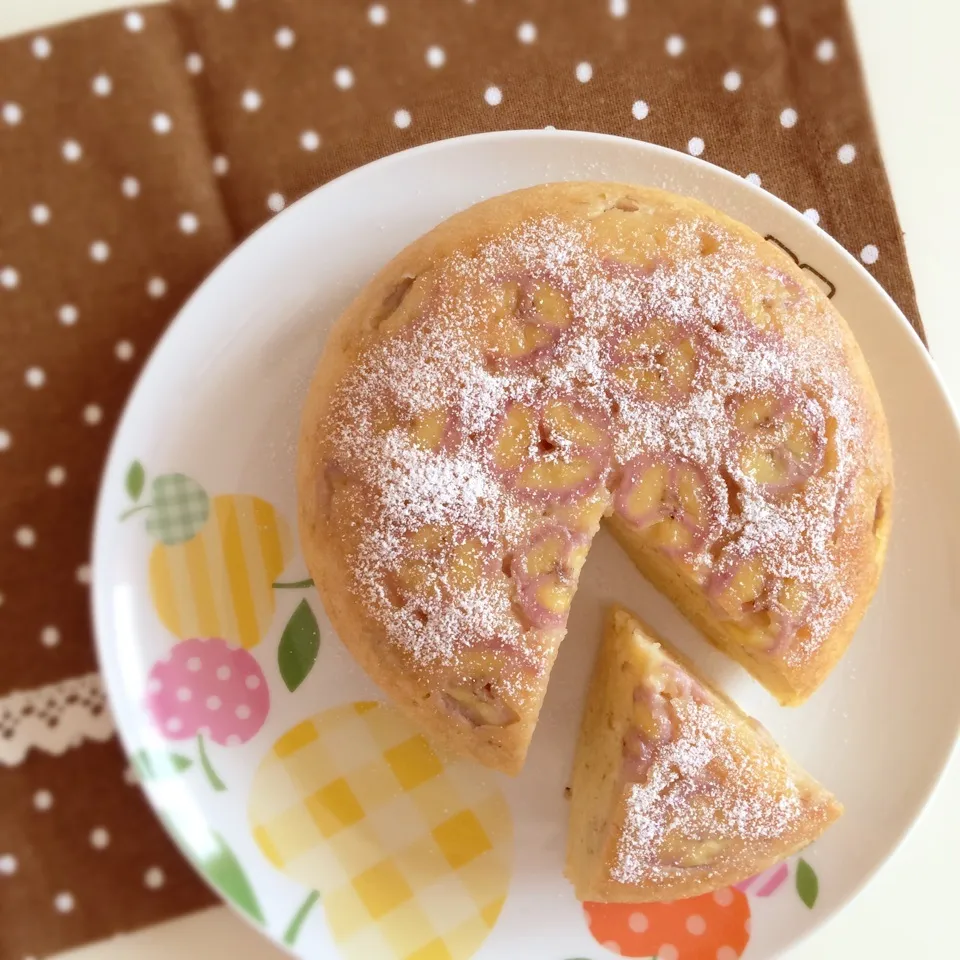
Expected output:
{"points": [[676, 792]]}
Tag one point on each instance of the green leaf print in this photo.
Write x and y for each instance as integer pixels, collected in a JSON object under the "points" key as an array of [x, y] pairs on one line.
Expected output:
{"points": [[219, 864], [299, 646], [157, 765], [808, 886], [136, 477]]}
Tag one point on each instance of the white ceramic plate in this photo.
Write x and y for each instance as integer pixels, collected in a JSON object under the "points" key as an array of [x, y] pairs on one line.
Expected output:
{"points": [[332, 825]]}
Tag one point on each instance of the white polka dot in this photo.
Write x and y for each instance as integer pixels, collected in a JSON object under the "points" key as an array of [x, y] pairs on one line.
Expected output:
{"points": [[788, 117], [724, 897], [83, 574], [43, 800], [193, 63], [71, 150], [727, 953], [130, 776], [284, 38], [56, 476], [638, 921], [242, 712], [251, 100], [226, 4], [194, 664], [640, 110], [188, 222], [124, 350], [41, 47], [35, 377], [233, 740], [92, 414], [847, 153], [527, 32], [184, 694], [612, 946], [154, 878], [812, 214], [549, 126], [8, 864], [696, 925], [619, 8], [748, 926], [161, 123], [68, 314], [343, 78], [377, 14], [25, 537], [309, 140], [213, 703], [99, 838], [435, 57], [675, 45], [133, 21], [667, 951], [223, 673], [99, 251], [401, 119], [6, 441], [12, 113], [493, 95], [154, 685], [584, 71], [220, 165], [276, 202], [101, 85], [9, 278], [174, 724], [49, 636], [130, 187], [156, 287], [64, 902], [40, 214], [869, 253], [826, 50], [695, 146], [252, 682], [767, 15], [732, 80], [753, 178]]}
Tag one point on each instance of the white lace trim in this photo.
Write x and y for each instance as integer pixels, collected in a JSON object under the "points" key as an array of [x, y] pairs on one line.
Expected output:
{"points": [[53, 718]]}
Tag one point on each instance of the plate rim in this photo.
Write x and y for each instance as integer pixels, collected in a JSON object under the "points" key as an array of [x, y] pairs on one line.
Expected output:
{"points": [[105, 653]]}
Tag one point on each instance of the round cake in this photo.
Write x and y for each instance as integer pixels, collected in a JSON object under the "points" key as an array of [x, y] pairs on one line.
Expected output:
{"points": [[570, 355]]}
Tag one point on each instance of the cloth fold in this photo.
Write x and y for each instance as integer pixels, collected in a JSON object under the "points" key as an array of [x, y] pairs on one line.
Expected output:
{"points": [[136, 148]]}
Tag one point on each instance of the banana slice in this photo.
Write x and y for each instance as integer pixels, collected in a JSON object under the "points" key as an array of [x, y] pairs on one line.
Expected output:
{"points": [[658, 361], [524, 317]]}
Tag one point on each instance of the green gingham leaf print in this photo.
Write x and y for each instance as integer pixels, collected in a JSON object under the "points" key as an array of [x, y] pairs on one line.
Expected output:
{"points": [[179, 509], [299, 646], [136, 477], [808, 886]]}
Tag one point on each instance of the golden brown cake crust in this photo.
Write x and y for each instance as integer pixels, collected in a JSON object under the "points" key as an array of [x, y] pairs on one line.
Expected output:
{"points": [[560, 353]]}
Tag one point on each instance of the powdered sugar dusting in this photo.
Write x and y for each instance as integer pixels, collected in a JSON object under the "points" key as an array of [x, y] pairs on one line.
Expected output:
{"points": [[711, 803], [748, 327]]}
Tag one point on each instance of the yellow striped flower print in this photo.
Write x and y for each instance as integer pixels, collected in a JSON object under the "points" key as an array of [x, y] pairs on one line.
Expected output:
{"points": [[220, 583]]}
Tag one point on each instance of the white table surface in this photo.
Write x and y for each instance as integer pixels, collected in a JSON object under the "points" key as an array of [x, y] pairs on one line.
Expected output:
{"points": [[909, 910]]}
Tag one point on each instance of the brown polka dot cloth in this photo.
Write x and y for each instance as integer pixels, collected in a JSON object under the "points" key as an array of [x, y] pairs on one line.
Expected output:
{"points": [[137, 148]]}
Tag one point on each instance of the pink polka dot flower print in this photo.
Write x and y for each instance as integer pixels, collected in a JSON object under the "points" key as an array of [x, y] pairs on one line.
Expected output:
{"points": [[208, 688]]}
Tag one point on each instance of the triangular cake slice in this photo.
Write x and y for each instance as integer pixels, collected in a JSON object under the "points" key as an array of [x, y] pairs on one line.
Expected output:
{"points": [[676, 792]]}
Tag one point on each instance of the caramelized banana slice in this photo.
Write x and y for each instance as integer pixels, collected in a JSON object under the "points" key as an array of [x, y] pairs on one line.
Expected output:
{"points": [[670, 500], [782, 438], [524, 316], [658, 361], [546, 572], [555, 453]]}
